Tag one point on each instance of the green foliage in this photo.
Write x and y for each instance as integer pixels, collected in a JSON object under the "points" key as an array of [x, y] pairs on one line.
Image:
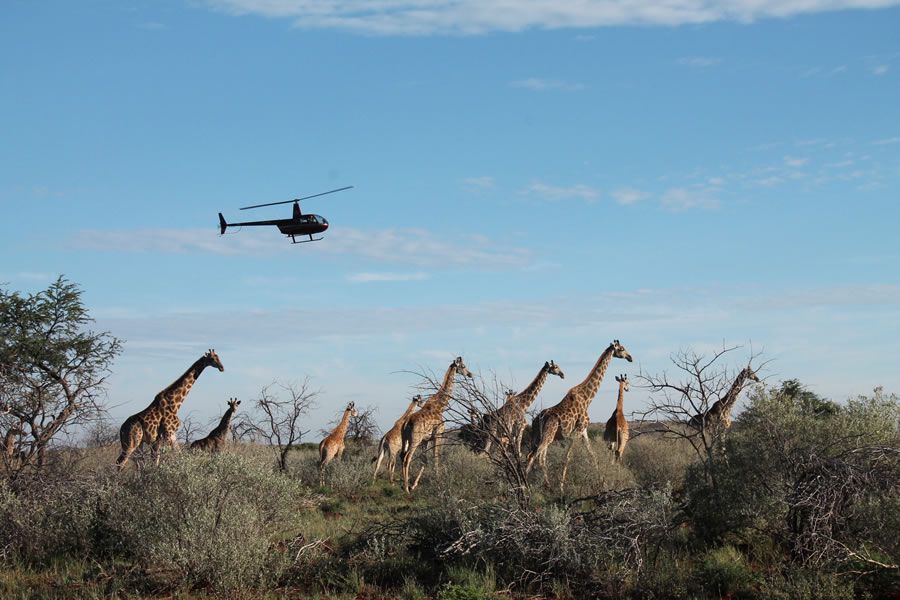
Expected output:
{"points": [[52, 368], [724, 572], [210, 519]]}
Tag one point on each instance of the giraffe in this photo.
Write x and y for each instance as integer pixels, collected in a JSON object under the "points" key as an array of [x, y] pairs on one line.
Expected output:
{"points": [[720, 411], [391, 441], [333, 445], [217, 437], [428, 423], [157, 424], [13, 457], [508, 421], [616, 433], [570, 416]]}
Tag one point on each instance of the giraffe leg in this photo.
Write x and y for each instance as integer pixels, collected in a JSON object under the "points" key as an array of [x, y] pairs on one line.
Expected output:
{"points": [[130, 436], [378, 459], [587, 444], [565, 469], [407, 460], [437, 438]]}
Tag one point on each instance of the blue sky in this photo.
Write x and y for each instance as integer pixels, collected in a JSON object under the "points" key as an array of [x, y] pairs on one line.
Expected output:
{"points": [[531, 182]]}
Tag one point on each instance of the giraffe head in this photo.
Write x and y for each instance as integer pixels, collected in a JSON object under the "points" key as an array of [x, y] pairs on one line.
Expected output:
{"points": [[623, 382], [212, 360], [619, 350], [750, 374], [418, 400], [351, 408], [461, 368], [554, 369], [233, 404], [510, 393]]}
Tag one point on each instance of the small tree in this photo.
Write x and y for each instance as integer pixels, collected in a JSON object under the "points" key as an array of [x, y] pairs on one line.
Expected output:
{"points": [[679, 405], [53, 370], [277, 418], [362, 428]]}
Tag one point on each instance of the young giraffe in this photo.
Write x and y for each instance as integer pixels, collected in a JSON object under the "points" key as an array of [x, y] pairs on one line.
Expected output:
{"points": [[720, 411], [391, 441], [508, 421], [218, 436], [333, 445], [157, 424], [570, 416], [428, 423], [616, 433]]}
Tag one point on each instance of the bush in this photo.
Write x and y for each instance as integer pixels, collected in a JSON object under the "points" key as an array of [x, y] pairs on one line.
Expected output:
{"points": [[724, 572], [48, 519], [206, 520]]}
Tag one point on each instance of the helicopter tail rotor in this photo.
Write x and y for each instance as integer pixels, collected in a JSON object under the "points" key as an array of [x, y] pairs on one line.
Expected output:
{"points": [[222, 224]]}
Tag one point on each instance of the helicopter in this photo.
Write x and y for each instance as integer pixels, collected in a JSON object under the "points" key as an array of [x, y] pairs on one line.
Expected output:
{"points": [[298, 224]]}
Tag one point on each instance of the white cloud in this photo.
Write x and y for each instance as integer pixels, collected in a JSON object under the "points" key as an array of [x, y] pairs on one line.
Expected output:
{"points": [[543, 85], [680, 199], [484, 182], [554, 192], [377, 277], [880, 70], [886, 141], [699, 62], [795, 161], [628, 195], [423, 17], [417, 247]]}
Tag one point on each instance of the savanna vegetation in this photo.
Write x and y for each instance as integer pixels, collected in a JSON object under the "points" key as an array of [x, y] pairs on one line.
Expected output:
{"points": [[796, 498]]}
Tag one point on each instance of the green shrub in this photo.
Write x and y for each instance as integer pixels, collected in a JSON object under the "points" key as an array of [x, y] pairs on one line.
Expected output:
{"points": [[52, 518], [724, 572], [207, 520]]}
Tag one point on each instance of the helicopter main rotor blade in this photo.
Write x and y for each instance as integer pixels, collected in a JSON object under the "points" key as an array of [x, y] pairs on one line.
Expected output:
{"points": [[297, 199]]}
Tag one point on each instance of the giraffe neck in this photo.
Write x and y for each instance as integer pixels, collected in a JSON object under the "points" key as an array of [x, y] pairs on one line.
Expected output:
{"points": [[223, 425], [620, 403], [175, 394], [409, 410], [592, 382], [442, 398], [731, 397], [528, 395], [341, 430]]}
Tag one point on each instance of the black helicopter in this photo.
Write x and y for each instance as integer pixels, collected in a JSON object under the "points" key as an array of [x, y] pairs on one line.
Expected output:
{"points": [[298, 224]]}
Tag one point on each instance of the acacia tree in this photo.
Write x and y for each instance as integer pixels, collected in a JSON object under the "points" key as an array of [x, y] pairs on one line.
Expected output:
{"points": [[679, 403], [277, 418], [53, 368]]}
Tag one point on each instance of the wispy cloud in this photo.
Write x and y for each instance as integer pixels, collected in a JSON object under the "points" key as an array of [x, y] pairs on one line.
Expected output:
{"points": [[423, 17], [628, 195], [699, 62], [543, 85], [879, 70], [887, 141], [482, 183], [385, 277], [555, 192], [795, 161], [680, 199], [417, 247]]}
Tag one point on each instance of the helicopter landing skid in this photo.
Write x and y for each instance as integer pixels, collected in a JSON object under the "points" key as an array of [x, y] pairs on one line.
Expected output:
{"points": [[311, 239]]}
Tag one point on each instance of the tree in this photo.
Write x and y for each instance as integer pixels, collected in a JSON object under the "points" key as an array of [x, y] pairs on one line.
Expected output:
{"points": [[277, 421], [362, 428], [679, 405], [53, 369]]}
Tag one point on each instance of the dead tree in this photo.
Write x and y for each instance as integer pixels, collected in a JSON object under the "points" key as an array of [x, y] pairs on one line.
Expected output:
{"points": [[681, 406], [278, 412]]}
